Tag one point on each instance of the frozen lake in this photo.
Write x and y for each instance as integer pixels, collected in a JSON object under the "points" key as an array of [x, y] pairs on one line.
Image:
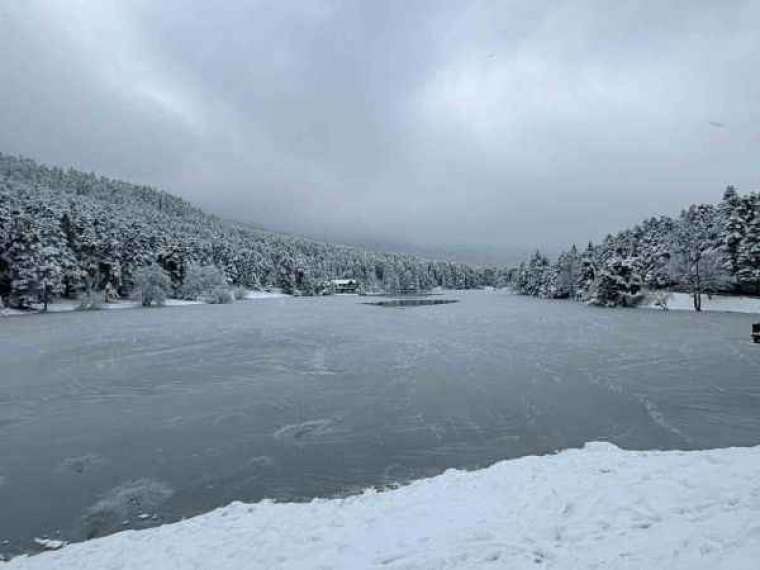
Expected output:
{"points": [[124, 419]]}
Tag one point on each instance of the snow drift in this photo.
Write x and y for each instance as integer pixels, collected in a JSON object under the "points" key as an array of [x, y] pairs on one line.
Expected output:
{"points": [[598, 507], [725, 303]]}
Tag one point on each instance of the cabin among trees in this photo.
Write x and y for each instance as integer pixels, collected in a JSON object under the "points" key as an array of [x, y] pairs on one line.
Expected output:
{"points": [[65, 233], [344, 286]]}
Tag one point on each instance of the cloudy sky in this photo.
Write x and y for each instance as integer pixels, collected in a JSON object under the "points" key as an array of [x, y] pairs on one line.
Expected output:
{"points": [[503, 124]]}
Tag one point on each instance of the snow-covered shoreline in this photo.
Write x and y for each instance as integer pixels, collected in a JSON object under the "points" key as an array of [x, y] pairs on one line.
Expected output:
{"points": [[256, 295], [724, 303], [69, 306], [597, 507]]}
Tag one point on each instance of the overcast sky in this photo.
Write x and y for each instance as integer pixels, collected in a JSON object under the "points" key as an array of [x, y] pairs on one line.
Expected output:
{"points": [[501, 123]]}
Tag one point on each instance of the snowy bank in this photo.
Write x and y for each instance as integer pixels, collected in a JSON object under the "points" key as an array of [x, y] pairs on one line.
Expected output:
{"points": [[725, 303], [599, 507], [256, 295], [69, 306], [66, 306]]}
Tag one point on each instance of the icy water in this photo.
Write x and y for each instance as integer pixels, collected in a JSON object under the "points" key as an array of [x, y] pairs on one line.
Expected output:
{"points": [[125, 419]]}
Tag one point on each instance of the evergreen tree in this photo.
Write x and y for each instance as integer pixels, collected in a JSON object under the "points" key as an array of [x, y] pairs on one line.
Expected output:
{"points": [[748, 248], [23, 263], [618, 283]]}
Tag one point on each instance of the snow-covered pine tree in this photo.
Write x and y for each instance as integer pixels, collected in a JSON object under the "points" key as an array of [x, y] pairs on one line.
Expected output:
{"points": [[23, 263], [618, 283], [587, 272], [748, 248], [733, 218]]}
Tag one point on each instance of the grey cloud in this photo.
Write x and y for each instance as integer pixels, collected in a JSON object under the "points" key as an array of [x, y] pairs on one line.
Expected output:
{"points": [[441, 124]]}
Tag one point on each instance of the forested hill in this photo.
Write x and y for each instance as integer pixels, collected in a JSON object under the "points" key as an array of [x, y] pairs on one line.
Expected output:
{"points": [[709, 248], [76, 231]]}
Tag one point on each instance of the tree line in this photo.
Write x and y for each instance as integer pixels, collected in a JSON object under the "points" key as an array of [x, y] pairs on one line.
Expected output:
{"points": [[708, 248], [66, 233]]}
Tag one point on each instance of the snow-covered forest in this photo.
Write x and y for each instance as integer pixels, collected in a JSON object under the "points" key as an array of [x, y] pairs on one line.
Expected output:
{"points": [[707, 249], [64, 233]]}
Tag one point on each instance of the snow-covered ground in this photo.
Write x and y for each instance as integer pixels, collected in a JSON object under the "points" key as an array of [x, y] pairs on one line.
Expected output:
{"points": [[64, 306], [7, 312], [726, 303], [598, 507], [265, 295]]}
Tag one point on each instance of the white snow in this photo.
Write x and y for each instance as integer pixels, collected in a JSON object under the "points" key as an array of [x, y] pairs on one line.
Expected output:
{"points": [[599, 507], [65, 306], [265, 295], [50, 544], [726, 303], [181, 303], [6, 312]]}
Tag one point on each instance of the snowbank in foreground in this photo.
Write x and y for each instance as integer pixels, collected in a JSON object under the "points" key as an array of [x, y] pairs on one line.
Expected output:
{"points": [[599, 507], [726, 303]]}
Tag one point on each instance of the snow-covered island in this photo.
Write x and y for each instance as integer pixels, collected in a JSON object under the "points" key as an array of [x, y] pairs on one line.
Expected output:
{"points": [[597, 507]]}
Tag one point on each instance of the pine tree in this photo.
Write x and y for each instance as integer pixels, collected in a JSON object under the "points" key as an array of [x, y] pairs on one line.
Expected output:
{"points": [[24, 265], [733, 219], [618, 283], [587, 272], [748, 249]]}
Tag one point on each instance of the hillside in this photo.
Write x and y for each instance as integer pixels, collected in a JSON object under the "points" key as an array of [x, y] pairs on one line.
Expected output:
{"points": [[76, 231]]}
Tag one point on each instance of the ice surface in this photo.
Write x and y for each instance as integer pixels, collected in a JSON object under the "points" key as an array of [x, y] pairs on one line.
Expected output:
{"points": [[90, 402], [124, 502]]}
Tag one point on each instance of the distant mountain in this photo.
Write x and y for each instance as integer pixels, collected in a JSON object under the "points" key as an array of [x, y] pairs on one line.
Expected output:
{"points": [[482, 255], [75, 231]]}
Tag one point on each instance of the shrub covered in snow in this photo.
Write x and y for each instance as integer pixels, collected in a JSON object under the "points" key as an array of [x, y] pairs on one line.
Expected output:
{"points": [[201, 281], [218, 296], [91, 301], [153, 285]]}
